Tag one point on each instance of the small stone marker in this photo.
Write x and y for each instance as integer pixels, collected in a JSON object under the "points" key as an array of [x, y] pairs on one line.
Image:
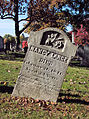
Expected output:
{"points": [[1, 44], [45, 65]]}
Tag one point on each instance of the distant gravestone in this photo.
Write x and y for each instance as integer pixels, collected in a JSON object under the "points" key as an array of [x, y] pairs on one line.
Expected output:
{"points": [[1, 44], [45, 65], [83, 52]]}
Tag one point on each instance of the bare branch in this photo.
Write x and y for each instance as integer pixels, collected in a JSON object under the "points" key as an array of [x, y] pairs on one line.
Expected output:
{"points": [[8, 15], [7, 18], [26, 19], [25, 27]]}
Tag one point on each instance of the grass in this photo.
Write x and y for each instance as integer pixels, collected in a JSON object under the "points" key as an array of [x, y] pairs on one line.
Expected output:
{"points": [[9, 71], [72, 102]]}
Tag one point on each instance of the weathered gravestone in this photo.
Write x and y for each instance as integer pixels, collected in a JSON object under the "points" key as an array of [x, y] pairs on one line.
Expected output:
{"points": [[45, 65], [1, 44], [83, 52]]}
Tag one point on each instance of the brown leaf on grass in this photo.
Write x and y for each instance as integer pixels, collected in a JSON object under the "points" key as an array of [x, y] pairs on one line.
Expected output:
{"points": [[40, 104], [5, 83]]}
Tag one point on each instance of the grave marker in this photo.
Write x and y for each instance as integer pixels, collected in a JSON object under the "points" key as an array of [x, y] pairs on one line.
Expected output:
{"points": [[1, 44], [45, 65]]}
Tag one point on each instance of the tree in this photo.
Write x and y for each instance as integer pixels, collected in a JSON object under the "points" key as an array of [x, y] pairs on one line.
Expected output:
{"points": [[81, 36], [47, 14], [9, 42], [77, 11], [11, 9], [58, 21], [36, 10], [9, 37]]}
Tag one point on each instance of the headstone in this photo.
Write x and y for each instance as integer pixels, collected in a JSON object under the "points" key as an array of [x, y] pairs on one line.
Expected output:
{"points": [[45, 65], [1, 44], [83, 52]]}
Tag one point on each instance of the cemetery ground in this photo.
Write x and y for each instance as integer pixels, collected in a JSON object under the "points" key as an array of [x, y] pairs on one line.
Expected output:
{"points": [[73, 100]]}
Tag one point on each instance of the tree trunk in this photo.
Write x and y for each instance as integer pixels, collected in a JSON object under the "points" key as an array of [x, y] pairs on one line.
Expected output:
{"points": [[17, 35], [16, 24]]}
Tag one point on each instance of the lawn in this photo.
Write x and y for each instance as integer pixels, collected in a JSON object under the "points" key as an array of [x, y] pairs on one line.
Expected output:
{"points": [[73, 100]]}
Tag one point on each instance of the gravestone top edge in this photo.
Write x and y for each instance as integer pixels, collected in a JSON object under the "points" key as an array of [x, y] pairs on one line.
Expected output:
{"points": [[39, 34], [48, 29]]}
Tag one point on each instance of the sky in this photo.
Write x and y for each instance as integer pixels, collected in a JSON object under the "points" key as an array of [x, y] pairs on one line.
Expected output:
{"points": [[8, 27]]}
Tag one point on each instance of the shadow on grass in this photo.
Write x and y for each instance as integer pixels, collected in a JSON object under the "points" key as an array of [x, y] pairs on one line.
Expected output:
{"points": [[13, 56], [77, 101], [9, 90], [18, 55], [69, 98], [6, 89]]}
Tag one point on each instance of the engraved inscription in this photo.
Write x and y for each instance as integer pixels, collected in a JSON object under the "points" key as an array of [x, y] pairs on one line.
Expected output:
{"points": [[48, 53], [46, 83], [45, 61], [42, 71]]}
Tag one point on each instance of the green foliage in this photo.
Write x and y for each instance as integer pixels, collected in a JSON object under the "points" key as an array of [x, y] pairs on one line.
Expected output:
{"points": [[77, 11], [9, 38]]}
